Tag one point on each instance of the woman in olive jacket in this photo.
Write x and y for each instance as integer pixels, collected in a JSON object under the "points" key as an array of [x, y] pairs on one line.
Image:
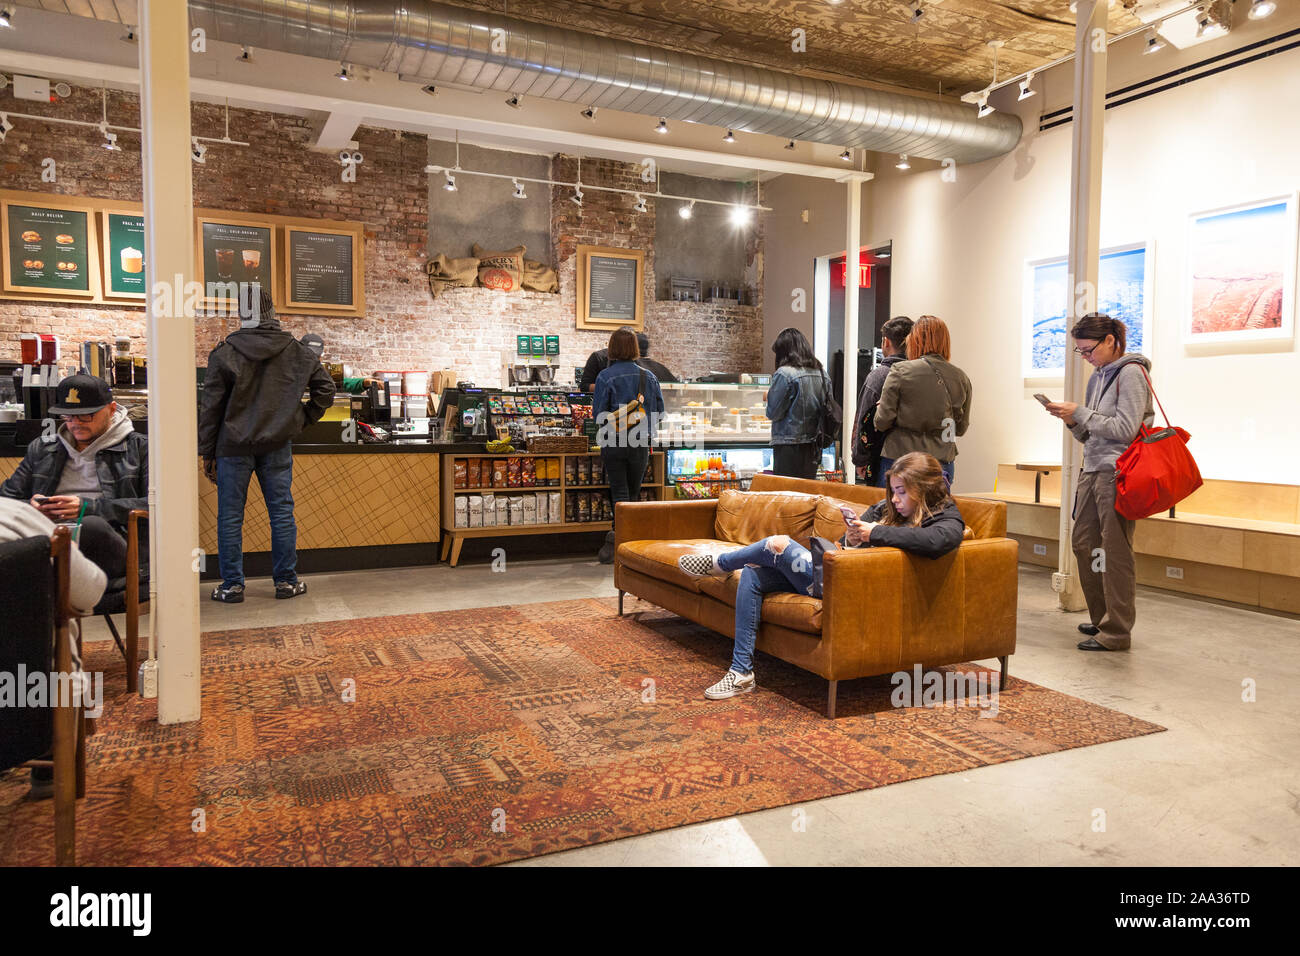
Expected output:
{"points": [[925, 404]]}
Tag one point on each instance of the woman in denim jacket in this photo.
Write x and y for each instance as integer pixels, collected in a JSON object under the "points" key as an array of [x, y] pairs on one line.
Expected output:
{"points": [[799, 391]]}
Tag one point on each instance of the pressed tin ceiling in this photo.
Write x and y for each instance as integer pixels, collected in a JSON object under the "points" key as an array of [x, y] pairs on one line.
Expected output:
{"points": [[869, 41]]}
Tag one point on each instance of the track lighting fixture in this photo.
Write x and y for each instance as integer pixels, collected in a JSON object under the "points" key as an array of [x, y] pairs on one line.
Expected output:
{"points": [[687, 210], [663, 125], [130, 36], [514, 101], [790, 145], [1259, 9], [450, 184], [984, 108], [576, 198], [640, 204], [740, 215], [110, 142], [589, 113], [198, 152], [902, 162], [245, 55], [1155, 42], [6, 17], [430, 89], [5, 124], [730, 137], [846, 156], [917, 12], [1213, 20], [344, 73], [1025, 91], [519, 189]]}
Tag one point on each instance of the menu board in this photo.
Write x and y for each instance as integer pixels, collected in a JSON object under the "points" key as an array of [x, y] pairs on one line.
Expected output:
{"points": [[611, 295], [48, 249], [124, 253], [232, 253], [320, 268]]}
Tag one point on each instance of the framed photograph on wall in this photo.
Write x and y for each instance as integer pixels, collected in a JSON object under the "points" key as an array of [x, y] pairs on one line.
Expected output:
{"points": [[1241, 273], [610, 288], [1123, 292]]}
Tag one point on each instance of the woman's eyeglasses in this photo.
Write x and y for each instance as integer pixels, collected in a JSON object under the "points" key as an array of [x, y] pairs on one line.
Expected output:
{"points": [[1086, 352]]}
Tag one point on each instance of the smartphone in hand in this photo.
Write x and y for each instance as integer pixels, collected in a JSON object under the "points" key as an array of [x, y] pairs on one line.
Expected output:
{"points": [[849, 514], [1042, 399]]}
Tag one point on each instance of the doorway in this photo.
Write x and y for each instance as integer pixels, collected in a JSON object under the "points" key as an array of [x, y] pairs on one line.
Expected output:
{"points": [[829, 296]]}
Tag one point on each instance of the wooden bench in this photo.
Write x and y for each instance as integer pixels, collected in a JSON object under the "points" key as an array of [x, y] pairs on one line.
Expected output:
{"points": [[1231, 540]]}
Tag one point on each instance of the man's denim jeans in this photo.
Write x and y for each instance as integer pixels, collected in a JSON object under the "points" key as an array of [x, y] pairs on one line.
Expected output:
{"points": [[275, 474], [764, 571]]}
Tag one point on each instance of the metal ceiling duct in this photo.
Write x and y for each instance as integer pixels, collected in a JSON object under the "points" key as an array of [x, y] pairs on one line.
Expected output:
{"points": [[445, 44]]}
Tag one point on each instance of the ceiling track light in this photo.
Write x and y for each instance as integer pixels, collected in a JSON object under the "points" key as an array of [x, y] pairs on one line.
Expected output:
{"points": [[431, 90], [6, 17], [110, 143], [846, 156], [640, 204], [130, 36], [902, 162], [1155, 42], [198, 152], [917, 12], [5, 124], [245, 55], [686, 210], [984, 109], [344, 73], [450, 184], [514, 101], [663, 125], [519, 189], [1025, 91], [730, 137], [589, 113], [1259, 9], [576, 198], [739, 215], [790, 145]]}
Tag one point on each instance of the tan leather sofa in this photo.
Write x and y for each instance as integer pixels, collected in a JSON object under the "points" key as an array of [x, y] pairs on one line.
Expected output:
{"points": [[882, 610]]}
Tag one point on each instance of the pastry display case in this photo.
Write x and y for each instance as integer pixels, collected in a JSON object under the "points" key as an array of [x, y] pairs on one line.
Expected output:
{"points": [[712, 411]]}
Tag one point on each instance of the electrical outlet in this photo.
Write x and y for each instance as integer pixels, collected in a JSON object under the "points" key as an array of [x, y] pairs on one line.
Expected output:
{"points": [[1173, 572], [149, 679], [1060, 582], [1040, 549]]}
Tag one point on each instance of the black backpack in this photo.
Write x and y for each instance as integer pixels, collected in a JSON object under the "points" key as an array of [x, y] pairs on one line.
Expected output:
{"points": [[832, 417]]}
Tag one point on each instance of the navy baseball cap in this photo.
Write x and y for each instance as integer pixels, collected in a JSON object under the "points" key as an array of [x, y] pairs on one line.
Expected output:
{"points": [[81, 395]]}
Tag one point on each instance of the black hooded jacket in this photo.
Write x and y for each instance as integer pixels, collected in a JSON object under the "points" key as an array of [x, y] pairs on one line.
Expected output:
{"points": [[252, 393]]}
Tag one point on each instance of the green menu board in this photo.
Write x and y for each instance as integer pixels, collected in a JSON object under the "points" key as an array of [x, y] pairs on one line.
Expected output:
{"points": [[125, 253], [234, 253], [47, 249]]}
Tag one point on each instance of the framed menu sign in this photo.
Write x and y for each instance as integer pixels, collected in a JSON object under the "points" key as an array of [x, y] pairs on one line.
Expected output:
{"points": [[322, 268], [123, 254], [232, 252], [610, 287], [50, 248]]}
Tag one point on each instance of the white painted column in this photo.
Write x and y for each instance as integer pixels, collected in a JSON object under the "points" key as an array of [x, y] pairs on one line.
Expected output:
{"points": [[173, 429], [1085, 244], [852, 254]]}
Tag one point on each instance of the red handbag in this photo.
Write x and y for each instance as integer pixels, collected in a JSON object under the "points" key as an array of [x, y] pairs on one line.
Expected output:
{"points": [[1156, 471]]}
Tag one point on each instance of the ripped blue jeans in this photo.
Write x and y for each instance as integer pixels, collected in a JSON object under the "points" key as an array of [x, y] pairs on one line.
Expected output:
{"points": [[764, 572]]}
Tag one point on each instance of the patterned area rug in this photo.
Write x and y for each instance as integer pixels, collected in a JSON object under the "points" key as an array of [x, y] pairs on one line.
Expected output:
{"points": [[494, 734]]}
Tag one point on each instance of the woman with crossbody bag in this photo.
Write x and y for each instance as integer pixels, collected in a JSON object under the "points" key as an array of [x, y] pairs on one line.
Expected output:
{"points": [[626, 407], [925, 402]]}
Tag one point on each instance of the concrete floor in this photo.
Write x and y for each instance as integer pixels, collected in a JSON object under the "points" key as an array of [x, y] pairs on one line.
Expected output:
{"points": [[1220, 787]]}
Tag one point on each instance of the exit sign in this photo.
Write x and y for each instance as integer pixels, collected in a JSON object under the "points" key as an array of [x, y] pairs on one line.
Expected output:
{"points": [[864, 273]]}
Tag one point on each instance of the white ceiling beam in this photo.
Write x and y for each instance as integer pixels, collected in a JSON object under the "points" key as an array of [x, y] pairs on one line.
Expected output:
{"points": [[337, 129]]}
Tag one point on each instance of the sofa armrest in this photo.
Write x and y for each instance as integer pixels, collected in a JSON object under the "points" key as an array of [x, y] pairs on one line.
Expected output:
{"points": [[664, 520], [861, 611]]}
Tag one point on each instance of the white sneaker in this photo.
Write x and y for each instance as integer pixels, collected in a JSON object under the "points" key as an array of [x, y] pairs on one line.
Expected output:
{"points": [[699, 565], [731, 685]]}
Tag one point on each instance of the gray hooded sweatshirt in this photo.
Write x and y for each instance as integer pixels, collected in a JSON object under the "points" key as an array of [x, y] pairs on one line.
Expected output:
{"points": [[1118, 402], [80, 476]]}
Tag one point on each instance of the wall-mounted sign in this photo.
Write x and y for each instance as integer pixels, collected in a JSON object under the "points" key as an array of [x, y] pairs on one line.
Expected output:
{"points": [[124, 254], [610, 290], [232, 253], [322, 267], [523, 344], [552, 345], [50, 248]]}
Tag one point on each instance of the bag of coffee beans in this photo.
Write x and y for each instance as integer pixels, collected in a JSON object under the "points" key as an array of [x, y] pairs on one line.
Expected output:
{"points": [[499, 473], [570, 471], [460, 473], [473, 476], [584, 471]]}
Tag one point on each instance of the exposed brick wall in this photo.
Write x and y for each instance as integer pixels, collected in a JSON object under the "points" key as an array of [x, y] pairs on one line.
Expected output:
{"points": [[472, 330]]}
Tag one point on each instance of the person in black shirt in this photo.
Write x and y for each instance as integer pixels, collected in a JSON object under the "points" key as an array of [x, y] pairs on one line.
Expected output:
{"points": [[598, 361]]}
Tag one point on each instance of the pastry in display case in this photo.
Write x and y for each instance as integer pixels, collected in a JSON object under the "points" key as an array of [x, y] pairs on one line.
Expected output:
{"points": [[714, 411]]}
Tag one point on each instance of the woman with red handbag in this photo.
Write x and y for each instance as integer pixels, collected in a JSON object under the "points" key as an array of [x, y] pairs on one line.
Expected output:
{"points": [[1117, 405]]}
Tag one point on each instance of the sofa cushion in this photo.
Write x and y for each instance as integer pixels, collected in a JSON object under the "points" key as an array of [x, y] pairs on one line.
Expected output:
{"points": [[744, 517], [658, 559], [827, 520], [986, 519], [798, 612]]}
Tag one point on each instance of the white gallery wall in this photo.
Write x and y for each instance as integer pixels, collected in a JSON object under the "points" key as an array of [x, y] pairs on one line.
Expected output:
{"points": [[960, 250]]}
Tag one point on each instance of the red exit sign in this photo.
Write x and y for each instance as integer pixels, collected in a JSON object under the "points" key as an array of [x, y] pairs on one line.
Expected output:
{"points": [[864, 273]]}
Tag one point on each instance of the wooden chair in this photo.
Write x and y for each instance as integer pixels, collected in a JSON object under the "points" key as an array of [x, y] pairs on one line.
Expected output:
{"points": [[129, 595], [70, 724]]}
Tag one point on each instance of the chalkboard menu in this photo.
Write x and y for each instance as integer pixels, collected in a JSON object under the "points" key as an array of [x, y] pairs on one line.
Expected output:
{"points": [[320, 268], [48, 249], [609, 287], [232, 253], [124, 252]]}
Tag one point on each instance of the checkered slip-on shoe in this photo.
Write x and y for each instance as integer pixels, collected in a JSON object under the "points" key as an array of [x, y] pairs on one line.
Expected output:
{"points": [[731, 685], [699, 565]]}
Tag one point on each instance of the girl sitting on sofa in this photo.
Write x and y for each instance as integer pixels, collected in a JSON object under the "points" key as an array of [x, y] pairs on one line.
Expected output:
{"points": [[918, 516]]}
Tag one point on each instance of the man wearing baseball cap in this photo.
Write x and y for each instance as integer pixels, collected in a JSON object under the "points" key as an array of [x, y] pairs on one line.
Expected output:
{"points": [[94, 468]]}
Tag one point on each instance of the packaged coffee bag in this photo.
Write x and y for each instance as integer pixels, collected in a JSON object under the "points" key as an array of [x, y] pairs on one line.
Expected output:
{"points": [[476, 511], [489, 509], [460, 472], [499, 473], [462, 512]]}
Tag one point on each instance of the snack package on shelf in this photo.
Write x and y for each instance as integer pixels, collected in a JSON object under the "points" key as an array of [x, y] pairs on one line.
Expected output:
{"points": [[554, 508], [516, 509], [489, 509], [528, 472], [462, 512], [582, 506], [543, 508], [553, 472], [499, 473], [476, 511], [584, 471], [460, 473], [530, 508], [473, 478], [569, 502], [503, 511], [570, 471], [597, 470]]}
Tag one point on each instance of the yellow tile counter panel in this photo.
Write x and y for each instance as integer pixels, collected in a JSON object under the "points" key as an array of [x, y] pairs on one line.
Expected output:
{"points": [[343, 501]]}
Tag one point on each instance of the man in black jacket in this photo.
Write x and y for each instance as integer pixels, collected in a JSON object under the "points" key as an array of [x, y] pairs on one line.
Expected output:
{"points": [[867, 442], [598, 361], [94, 468], [252, 411]]}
